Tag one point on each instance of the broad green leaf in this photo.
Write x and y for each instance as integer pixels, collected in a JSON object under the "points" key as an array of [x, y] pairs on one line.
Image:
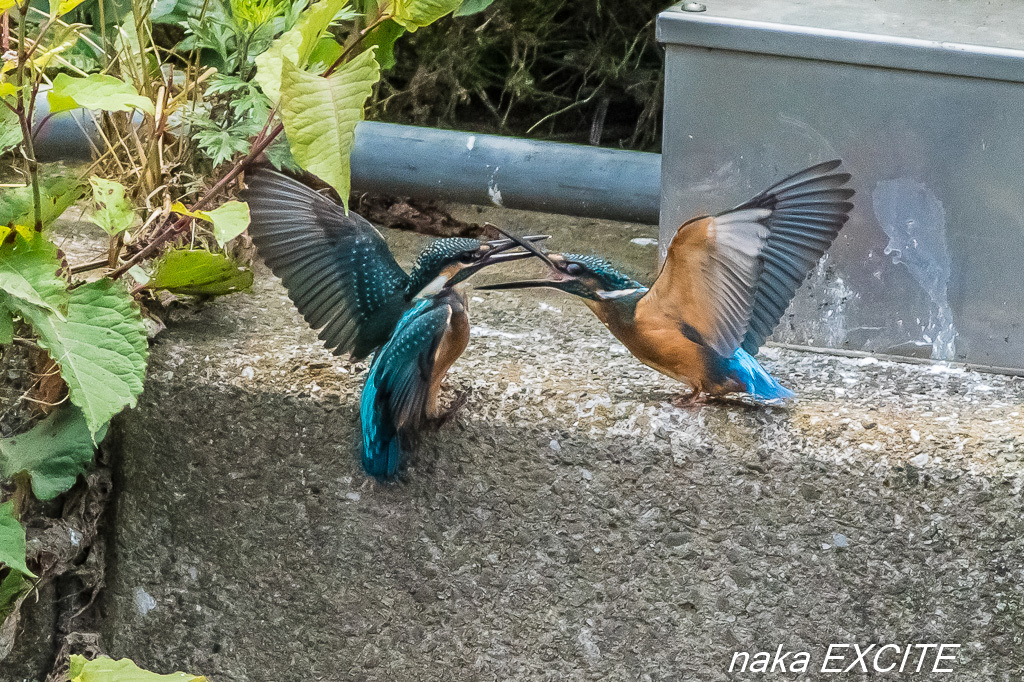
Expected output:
{"points": [[101, 349], [12, 589], [384, 37], [116, 214], [229, 220], [320, 116], [53, 453], [470, 7], [296, 45], [416, 13], [105, 669], [269, 64], [6, 325], [56, 193], [12, 540], [325, 52], [96, 91], [29, 272], [199, 273]]}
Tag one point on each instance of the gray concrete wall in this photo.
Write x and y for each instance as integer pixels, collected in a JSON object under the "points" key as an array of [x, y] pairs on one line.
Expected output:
{"points": [[570, 523]]}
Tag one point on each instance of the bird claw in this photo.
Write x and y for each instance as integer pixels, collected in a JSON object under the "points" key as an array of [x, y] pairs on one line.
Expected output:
{"points": [[691, 399], [446, 416]]}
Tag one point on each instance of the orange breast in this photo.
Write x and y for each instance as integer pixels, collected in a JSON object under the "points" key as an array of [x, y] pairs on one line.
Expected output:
{"points": [[452, 345]]}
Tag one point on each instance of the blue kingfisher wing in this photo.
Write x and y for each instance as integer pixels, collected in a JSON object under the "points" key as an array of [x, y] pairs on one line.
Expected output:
{"points": [[336, 267], [807, 210], [394, 399]]}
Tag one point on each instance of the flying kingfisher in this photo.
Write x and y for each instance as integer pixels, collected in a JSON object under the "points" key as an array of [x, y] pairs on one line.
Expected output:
{"points": [[724, 285], [337, 268]]}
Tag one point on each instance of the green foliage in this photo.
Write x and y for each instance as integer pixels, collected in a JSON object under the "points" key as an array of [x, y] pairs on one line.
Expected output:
{"points": [[28, 273], [96, 91], [199, 273], [229, 220], [414, 14], [53, 454], [115, 213], [6, 324], [57, 193], [10, 130], [101, 349], [13, 589], [105, 669], [384, 37], [469, 7], [320, 116], [12, 540]]}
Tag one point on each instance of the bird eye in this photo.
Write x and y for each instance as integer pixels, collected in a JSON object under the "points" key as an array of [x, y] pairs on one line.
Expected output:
{"points": [[467, 256], [574, 268]]}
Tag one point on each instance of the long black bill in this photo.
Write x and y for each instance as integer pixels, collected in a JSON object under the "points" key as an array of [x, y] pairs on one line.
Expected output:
{"points": [[527, 243]]}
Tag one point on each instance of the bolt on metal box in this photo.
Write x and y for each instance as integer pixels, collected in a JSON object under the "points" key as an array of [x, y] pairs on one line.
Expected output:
{"points": [[923, 100]]}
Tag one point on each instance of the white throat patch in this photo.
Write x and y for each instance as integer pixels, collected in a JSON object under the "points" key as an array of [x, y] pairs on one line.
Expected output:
{"points": [[612, 295], [434, 287]]}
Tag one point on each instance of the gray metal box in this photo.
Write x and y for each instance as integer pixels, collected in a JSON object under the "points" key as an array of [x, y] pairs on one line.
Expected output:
{"points": [[923, 100]]}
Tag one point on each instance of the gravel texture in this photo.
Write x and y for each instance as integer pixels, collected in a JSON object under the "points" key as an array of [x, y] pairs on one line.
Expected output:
{"points": [[570, 523]]}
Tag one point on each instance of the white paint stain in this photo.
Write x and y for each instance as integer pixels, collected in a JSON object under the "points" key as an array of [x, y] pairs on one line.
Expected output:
{"points": [[492, 188], [471, 142], [915, 222], [144, 602]]}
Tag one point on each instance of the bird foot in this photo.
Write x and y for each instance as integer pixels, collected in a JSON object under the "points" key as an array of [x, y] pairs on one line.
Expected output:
{"points": [[446, 416], [691, 399]]}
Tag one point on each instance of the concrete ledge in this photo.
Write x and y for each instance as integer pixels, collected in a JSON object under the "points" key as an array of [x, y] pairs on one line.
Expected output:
{"points": [[570, 523]]}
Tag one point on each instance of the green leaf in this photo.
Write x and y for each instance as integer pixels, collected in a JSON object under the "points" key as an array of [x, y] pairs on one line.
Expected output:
{"points": [[12, 589], [229, 220], [56, 194], [53, 453], [416, 13], [472, 7], [384, 37], [269, 64], [105, 669], [320, 116], [199, 273], [12, 540], [29, 272], [116, 214], [6, 325], [61, 7], [96, 91], [101, 349], [10, 129], [295, 46]]}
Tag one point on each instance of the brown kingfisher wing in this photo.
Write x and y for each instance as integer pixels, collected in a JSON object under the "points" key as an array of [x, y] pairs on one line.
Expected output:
{"points": [[706, 284], [336, 268]]}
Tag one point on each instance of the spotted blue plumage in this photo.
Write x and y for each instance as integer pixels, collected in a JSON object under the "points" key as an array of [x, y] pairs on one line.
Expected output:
{"points": [[393, 402], [336, 267]]}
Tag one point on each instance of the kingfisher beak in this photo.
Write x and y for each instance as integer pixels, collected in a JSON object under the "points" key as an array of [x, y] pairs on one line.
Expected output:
{"points": [[497, 251]]}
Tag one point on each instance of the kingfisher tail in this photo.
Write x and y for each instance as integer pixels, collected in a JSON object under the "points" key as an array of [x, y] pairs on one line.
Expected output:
{"points": [[758, 382]]}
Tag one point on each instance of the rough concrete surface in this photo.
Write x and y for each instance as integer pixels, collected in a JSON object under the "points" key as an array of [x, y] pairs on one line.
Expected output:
{"points": [[570, 523]]}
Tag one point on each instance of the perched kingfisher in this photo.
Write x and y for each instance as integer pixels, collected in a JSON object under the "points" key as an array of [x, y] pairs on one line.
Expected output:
{"points": [[401, 391], [337, 268], [724, 285]]}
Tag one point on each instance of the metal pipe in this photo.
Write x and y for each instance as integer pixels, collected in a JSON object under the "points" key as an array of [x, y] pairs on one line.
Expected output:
{"points": [[593, 182]]}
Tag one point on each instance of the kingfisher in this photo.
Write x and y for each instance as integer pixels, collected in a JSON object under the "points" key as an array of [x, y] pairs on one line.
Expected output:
{"points": [[723, 287], [338, 270], [401, 393]]}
